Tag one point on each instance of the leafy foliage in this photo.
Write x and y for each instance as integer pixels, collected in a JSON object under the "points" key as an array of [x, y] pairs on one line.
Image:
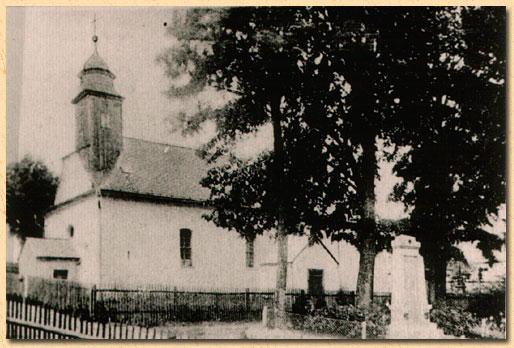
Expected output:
{"points": [[30, 191], [454, 169], [345, 321], [454, 321], [331, 81], [250, 52]]}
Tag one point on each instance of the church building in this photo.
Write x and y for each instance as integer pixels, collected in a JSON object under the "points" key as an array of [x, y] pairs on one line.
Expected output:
{"points": [[128, 212]]}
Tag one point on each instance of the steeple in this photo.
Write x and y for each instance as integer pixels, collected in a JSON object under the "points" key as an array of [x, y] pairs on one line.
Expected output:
{"points": [[96, 76], [98, 116]]}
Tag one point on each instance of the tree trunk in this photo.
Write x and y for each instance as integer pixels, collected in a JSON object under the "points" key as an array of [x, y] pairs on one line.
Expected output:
{"points": [[281, 284], [367, 248], [366, 273], [435, 278], [281, 237]]}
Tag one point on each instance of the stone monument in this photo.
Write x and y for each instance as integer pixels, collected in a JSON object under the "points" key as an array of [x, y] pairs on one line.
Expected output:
{"points": [[409, 304]]}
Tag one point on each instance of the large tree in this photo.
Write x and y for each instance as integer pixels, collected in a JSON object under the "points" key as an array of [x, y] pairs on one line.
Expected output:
{"points": [[331, 81], [316, 76], [266, 59], [30, 191], [454, 169]]}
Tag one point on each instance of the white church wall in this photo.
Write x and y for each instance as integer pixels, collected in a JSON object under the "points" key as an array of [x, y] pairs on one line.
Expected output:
{"points": [[141, 245], [82, 215], [74, 180]]}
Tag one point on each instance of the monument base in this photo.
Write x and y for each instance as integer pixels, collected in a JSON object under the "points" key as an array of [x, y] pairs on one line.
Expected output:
{"points": [[415, 330]]}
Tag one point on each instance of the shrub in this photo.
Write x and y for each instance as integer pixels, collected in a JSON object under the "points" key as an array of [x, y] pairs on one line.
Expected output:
{"points": [[486, 305], [454, 320], [13, 285], [345, 321], [61, 295]]}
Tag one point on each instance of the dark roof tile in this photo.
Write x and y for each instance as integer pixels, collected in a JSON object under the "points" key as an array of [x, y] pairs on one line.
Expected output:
{"points": [[158, 169]]}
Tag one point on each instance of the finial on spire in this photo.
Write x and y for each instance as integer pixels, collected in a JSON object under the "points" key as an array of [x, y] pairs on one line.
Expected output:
{"points": [[95, 38]]}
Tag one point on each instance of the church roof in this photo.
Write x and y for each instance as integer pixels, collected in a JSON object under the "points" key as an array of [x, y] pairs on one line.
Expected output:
{"points": [[47, 248], [158, 170]]}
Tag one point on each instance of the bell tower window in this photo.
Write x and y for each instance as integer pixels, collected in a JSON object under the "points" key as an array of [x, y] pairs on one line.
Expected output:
{"points": [[105, 120]]}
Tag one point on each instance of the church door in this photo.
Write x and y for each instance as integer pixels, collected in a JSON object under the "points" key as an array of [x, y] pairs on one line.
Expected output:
{"points": [[316, 282]]}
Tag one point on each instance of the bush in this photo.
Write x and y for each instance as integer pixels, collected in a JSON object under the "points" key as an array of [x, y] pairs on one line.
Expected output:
{"points": [[61, 295], [491, 304], [13, 285], [345, 321], [454, 320]]}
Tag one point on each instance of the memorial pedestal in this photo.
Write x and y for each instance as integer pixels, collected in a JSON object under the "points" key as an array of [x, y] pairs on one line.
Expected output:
{"points": [[409, 304]]}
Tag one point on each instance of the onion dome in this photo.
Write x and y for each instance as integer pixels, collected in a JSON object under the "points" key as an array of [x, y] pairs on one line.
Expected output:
{"points": [[96, 77], [95, 62]]}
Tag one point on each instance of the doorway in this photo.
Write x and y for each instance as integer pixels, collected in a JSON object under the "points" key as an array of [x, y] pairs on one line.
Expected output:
{"points": [[315, 282]]}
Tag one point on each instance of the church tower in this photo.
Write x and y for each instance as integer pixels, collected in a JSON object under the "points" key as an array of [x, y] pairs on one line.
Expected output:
{"points": [[98, 136]]}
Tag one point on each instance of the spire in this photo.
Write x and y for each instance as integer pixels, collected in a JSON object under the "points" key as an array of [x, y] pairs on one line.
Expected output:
{"points": [[95, 61], [98, 116], [95, 75], [95, 38]]}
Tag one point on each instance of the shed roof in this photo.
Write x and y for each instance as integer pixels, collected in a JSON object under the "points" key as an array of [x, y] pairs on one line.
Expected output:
{"points": [[50, 248]]}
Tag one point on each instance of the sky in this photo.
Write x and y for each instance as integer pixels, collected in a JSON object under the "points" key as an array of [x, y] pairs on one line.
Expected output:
{"points": [[46, 49]]}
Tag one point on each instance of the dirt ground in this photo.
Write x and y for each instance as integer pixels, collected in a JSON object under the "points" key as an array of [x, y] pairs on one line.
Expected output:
{"points": [[238, 330]]}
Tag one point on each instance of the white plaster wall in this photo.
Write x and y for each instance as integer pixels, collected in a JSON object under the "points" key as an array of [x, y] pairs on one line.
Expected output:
{"points": [[74, 180], [30, 266], [150, 232], [335, 277], [349, 268], [140, 245], [383, 268], [315, 257], [83, 216], [13, 246]]}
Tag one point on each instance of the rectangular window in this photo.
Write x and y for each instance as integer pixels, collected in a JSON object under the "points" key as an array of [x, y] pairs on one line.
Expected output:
{"points": [[60, 274], [185, 247], [249, 253]]}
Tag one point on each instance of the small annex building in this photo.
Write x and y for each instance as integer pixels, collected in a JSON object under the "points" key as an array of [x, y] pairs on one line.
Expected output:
{"points": [[129, 212]]}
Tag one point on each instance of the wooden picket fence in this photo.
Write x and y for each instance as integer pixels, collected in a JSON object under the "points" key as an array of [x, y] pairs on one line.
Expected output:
{"points": [[26, 321]]}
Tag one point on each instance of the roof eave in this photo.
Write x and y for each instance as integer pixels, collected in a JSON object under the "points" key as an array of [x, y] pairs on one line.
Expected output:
{"points": [[58, 258], [106, 192], [87, 92], [71, 200]]}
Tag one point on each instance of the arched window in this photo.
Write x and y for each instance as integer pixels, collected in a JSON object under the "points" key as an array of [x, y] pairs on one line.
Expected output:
{"points": [[71, 231], [185, 247]]}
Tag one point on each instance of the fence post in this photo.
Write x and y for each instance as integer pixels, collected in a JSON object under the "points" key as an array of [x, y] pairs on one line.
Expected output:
{"points": [[92, 302], [175, 301], [24, 284], [363, 329], [247, 301], [265, 315], [216, 306]]}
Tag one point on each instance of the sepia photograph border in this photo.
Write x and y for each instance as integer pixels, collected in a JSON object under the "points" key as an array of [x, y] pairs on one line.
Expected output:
{"points": [[254, 343]]}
